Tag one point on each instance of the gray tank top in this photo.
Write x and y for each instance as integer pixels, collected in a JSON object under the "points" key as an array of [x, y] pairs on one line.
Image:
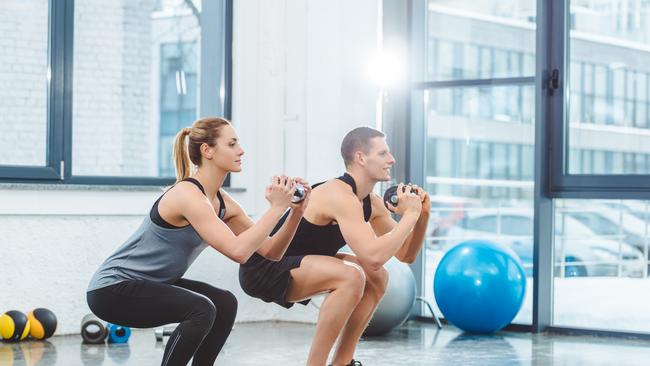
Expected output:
{"points": [[153, 253]]}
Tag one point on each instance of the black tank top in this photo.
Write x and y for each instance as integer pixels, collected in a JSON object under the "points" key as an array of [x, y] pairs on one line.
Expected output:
{"points": [[154, 214], [321, 239]]}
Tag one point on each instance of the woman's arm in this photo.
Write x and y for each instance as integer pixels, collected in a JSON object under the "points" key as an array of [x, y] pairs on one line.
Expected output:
{"points": [[198, 210], [274, 246]]}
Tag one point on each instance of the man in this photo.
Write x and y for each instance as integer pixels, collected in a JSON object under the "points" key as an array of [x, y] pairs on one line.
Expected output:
{"points": [[344, 211]]}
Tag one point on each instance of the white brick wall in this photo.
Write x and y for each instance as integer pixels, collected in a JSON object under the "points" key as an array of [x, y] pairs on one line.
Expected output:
{"points": [[23, 81], [112, 74]]}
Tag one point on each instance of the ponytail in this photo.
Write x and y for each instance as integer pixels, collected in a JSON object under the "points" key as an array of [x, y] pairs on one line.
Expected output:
{"points": [[203, 131], [181, 157]]}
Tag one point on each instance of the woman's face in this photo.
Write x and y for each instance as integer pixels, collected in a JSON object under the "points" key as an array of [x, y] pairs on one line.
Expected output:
{"points": [[227, 154]]}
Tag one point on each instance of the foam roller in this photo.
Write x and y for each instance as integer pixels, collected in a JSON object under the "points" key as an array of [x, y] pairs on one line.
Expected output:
{"points": [[93, 330], [118, 333]]}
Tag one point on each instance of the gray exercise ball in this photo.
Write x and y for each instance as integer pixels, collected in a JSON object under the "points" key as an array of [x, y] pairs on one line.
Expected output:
{"points": [[396, 304]]}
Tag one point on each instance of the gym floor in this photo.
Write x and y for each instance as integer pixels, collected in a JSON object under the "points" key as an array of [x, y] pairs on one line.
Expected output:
{"points": [[415, 343]]}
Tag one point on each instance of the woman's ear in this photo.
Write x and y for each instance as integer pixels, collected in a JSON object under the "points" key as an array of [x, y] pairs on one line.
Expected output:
{"points": [[207, 151]]}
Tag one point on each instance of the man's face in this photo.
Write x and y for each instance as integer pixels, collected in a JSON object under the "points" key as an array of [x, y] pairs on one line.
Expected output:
{"points": [[379, 160]]}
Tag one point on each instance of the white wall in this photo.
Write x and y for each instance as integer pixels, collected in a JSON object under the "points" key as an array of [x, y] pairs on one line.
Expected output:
{"points": [[298, 86]]}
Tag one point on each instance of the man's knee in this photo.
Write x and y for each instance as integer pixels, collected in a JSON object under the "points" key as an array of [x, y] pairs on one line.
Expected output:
{"points": [[353, 278], [377, 281]]}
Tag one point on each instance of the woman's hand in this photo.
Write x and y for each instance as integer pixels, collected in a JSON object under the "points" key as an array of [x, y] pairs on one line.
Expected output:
{"points": [[280, 191]]}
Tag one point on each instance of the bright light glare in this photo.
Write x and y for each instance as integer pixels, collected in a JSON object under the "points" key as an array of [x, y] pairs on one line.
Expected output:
{"points": [[386, 69]]}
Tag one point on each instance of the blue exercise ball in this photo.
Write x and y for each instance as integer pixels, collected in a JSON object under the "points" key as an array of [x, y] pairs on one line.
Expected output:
{"points": [[479, 286]]}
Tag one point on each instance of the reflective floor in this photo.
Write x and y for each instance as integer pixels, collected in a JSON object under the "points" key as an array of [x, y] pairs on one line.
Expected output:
{"points": [[271, 344]]}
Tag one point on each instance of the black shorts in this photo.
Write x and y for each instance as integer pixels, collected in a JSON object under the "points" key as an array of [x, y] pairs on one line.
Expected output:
{"points": [[268, 280]]}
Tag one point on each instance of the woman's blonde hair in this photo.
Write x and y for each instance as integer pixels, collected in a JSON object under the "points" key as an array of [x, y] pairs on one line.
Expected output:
{"points": [[203, 131]]}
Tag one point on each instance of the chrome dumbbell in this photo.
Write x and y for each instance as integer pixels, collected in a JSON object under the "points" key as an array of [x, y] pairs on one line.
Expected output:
{"points": [[163, 332], [298, 194]]}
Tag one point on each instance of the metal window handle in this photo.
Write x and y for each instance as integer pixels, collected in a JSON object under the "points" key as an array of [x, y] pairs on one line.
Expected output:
{"points": [[554, 81]]}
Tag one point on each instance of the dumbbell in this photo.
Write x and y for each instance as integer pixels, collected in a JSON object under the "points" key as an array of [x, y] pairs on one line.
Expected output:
{"points": [[298, 194], [163, 332], [390, 195]]}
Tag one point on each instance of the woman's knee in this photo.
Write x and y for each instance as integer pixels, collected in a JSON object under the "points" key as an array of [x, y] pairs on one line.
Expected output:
{"points": [[227, 305], [203, 312]]}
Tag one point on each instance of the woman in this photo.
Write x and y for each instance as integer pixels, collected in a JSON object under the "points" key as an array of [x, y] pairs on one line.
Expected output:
{"points": [[140, 285]]}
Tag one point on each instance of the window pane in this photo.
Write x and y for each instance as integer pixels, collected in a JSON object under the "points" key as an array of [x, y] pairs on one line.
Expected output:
{"points": [[609, 64], [136, 73], [23, 77], [485, 224], [509, 104], [479, 174], [516, 225], [481, 39], [601, 251]]}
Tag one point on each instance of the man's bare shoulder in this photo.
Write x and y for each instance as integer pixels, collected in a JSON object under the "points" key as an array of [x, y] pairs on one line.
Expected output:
{"points": [[337, 194]]}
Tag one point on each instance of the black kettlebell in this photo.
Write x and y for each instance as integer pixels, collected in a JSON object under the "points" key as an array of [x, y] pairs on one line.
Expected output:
{"points": [[298, 194], [390, 196]]}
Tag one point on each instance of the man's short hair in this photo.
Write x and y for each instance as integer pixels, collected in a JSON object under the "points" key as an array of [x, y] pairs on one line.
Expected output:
{"points": [[357, 139]]}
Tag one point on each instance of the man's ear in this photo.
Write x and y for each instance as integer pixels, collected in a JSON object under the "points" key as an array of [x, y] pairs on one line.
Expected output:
{"points": [[360, 158]]}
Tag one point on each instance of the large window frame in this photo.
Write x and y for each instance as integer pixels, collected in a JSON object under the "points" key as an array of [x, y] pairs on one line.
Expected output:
{"points": [[552, 173], [402, 112], [564, 184], [215, 70], [551, 177]]}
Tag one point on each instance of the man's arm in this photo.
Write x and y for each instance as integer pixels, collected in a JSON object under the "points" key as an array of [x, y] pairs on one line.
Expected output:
{"points": [[382, 222], [373, 251]]}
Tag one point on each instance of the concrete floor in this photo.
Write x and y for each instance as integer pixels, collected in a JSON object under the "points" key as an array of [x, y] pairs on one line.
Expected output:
{"points": [[416, 343]]}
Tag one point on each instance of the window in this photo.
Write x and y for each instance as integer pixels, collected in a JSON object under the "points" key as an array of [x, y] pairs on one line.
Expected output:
{"points": [[614, 94], [178, 97], [603, 242], [586, 161], [486, 224], [516, 225], [123, 83], [26, 144], [24, 77], [478, 115]]}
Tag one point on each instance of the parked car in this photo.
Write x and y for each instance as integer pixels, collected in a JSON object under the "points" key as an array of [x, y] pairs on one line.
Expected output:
{"points": [[612, 220], [578, 250]]}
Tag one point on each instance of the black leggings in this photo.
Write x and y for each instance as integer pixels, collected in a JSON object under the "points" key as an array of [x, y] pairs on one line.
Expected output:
{"points": [[206, 315]]}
